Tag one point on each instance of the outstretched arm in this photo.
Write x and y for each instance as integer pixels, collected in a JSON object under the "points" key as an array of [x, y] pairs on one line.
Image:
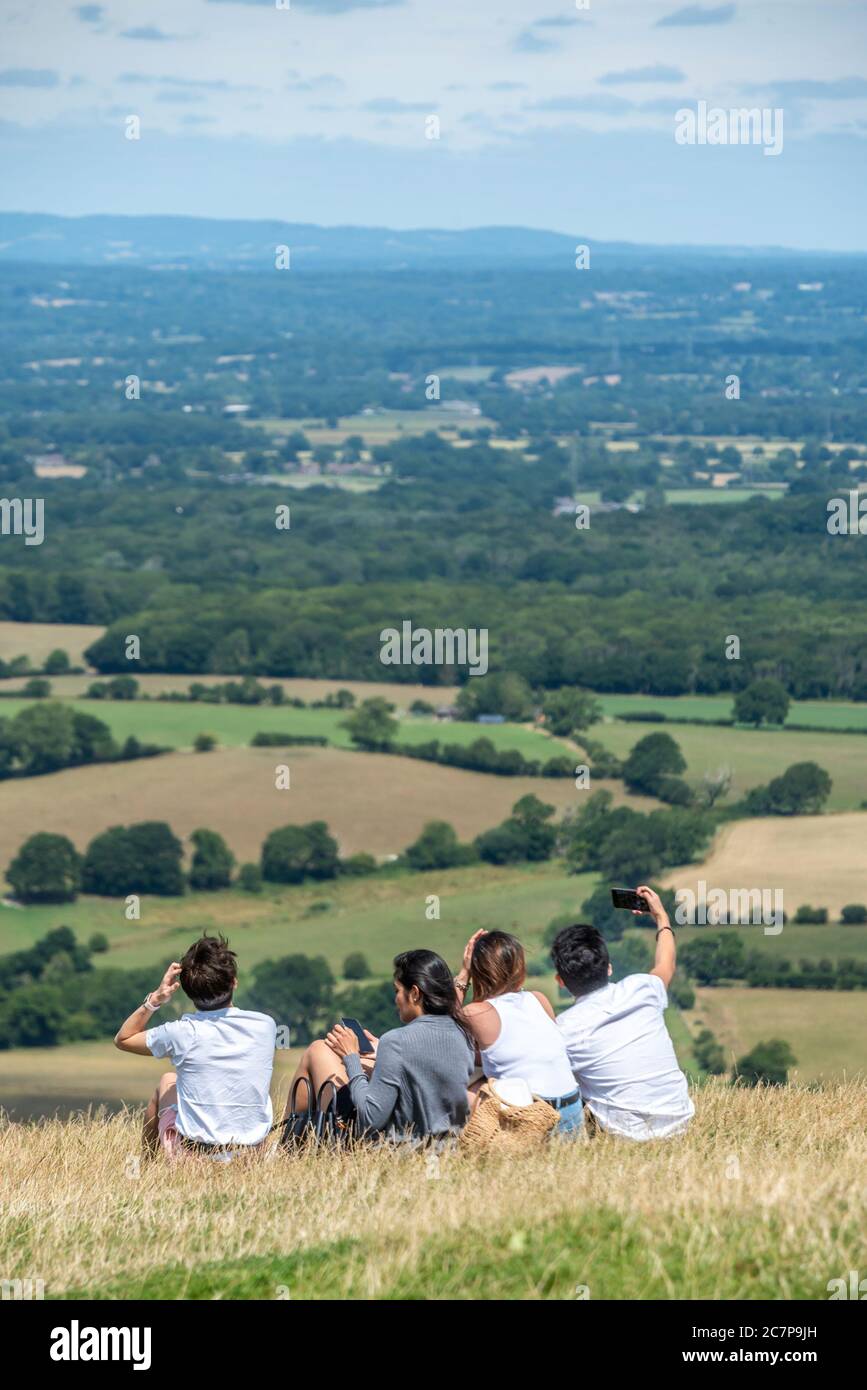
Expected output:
{"points": [[666, 949]]}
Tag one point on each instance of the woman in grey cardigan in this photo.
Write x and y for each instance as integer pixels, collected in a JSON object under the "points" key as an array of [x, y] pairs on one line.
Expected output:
{"points": [[414, 1086]]}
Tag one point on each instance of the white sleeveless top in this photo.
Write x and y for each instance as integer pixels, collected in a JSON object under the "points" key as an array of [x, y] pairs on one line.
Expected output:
{"points": [[530, 1046]]}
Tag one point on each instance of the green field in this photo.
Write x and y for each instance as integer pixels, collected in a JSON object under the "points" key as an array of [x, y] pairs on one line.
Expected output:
{"points": [[756, 755], [819, 714], [176, 724], [379, 915], [381, 428], [827, 1031], [692, 496]]}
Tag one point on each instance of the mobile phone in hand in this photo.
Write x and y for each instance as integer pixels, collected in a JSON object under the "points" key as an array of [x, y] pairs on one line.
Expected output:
{"points": [[364, 1044], [625, 897]]}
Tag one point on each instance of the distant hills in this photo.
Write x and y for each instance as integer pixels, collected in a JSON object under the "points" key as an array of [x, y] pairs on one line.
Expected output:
{"points": [[177, 242]]}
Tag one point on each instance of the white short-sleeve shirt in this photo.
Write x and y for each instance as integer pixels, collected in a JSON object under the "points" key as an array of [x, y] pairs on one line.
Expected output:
{"points": [[624, 1061], [223, 1061]]}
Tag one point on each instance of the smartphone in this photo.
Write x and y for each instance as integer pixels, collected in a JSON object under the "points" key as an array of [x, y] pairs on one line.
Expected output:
{"points": [[625, 897], [364, 1043]]}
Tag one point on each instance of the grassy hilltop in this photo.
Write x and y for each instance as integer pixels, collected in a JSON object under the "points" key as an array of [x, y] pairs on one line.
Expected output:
{"points": [[763, 1198]]}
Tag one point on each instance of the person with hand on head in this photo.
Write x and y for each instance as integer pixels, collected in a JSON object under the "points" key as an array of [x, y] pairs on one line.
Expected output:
{"points": [[217, 1099], [513, 1027], [619, 1048]]}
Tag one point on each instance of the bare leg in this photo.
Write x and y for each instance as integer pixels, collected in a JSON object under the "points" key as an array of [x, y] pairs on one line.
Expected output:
{"points": [[473, 1093], [165, 1094], [318, 1065]]}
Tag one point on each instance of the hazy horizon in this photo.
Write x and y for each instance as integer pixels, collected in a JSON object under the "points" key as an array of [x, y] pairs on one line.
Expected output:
{"points": [[392, 113]]}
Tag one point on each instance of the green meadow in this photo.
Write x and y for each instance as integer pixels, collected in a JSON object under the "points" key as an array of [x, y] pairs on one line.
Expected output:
{"points": [[176, 724], [818, 714], [756, 755]]}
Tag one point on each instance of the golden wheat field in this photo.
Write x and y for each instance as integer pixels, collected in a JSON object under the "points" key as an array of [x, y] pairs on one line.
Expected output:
{"points": [[370, 801], [36, 640], [821, 860], [765, 1197]]}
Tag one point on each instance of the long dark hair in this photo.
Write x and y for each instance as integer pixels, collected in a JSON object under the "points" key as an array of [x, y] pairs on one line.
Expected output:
{"points": [[434, 981]]}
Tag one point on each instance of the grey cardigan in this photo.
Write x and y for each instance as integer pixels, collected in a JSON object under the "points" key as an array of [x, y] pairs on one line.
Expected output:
{"points": [[419, 1082]]}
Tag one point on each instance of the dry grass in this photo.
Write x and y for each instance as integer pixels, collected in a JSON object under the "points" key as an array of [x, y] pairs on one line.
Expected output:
{"points": [[764, 1197], [36, 640], [155, 683]]}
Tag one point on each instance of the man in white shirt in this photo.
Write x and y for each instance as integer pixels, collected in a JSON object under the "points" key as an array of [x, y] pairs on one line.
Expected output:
{"points": [[619, 1047], [218, 1097]]}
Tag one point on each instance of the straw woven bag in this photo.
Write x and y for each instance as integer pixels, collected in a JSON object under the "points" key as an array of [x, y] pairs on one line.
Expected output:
{"points": [[497, 1126]]}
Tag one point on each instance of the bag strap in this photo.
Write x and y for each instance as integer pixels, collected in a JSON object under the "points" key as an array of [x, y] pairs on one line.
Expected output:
{"points": [[319, 1106], [310, 1100], [311, 1106]]}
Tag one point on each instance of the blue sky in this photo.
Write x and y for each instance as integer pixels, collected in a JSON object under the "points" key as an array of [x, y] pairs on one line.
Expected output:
{"points": [[550, 114]]}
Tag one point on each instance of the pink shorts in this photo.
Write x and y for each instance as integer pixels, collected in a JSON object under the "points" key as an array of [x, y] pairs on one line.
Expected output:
{"points": [[167, 1129]]}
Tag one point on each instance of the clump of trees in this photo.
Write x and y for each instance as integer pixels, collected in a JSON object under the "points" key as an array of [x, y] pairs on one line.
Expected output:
{"points": [[372, 727], [767, 1064], [504, 692], [297, 852], [51, 994], [143, 858], [438, 847], [628, 845], [802, 790], [527, 834], [49, 736], [118, 688], [723, 957]]}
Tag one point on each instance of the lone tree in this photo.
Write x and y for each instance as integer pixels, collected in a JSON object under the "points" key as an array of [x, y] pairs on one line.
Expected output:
{"points": [[46, 869], [764, 701], [715, 785], [371, 726], [438, 847], [212, 861], [768, 1064], [652, 761], [570, 711], [355, 966]]}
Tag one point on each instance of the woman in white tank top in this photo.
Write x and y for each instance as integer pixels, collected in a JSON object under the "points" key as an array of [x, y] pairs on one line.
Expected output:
{"points": [[514, 1028]]}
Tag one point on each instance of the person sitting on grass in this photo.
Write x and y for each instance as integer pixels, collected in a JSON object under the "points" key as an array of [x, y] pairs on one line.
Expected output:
{"points": [[217, 1099], [414, 1084], [619, 1048], [513, 1027]]}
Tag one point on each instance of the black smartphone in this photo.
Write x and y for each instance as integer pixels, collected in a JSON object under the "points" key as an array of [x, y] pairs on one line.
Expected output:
{"points": [[364, 1043], [625, 897]]}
